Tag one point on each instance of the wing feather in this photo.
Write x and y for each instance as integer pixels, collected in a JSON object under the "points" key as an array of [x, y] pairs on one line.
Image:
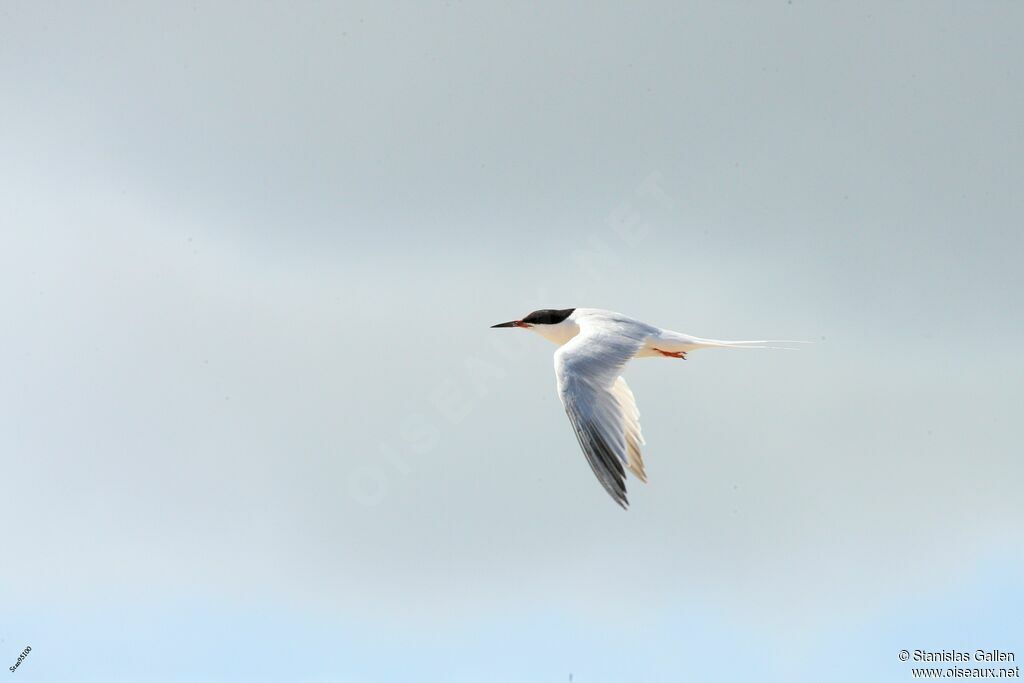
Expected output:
{"points": [[631, 425], [600, 405]]}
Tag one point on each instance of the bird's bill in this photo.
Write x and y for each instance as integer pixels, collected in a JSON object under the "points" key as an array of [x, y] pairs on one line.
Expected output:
{"points": [[512, 323]]}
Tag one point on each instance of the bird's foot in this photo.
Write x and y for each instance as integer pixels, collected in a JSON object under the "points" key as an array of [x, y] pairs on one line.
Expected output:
{"points": [[672, 354]]}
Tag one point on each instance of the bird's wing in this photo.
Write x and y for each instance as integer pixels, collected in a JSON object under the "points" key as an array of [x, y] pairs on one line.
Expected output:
{"points": [[600, 405]]}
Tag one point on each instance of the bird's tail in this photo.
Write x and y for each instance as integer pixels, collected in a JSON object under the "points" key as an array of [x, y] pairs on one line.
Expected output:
{"points": [[755, 344]]}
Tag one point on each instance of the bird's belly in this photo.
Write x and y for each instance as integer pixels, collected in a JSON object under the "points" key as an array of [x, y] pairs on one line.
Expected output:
{"points": [[647, 351]]}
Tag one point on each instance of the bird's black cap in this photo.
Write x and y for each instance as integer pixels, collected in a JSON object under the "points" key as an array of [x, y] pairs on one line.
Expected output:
{"points": [[545, 316], [548, 316]]}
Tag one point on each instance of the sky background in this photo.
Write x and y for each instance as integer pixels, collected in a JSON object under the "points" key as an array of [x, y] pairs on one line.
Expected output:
{"points": [[254, 426]]}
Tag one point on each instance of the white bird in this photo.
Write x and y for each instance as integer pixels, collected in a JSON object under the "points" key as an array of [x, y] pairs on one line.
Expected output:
{"points": [[594, 347]]}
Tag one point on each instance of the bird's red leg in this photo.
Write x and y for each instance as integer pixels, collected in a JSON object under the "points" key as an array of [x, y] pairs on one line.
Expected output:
{"points": [[672, 354]]}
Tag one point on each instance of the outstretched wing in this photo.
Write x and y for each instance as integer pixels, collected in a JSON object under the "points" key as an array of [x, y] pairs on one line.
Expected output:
{"points": [[600, 405]]}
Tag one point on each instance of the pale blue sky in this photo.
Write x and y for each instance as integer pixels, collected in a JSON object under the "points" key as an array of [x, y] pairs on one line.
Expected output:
{"points": [[254, 424], [210, 640]]}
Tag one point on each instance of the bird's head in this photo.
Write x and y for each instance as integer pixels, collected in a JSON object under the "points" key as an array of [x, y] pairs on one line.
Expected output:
{"points": [[554, 325]]}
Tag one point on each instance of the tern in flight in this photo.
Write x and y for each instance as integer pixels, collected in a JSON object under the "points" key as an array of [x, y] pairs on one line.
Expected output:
{"points": [[594, 347]]}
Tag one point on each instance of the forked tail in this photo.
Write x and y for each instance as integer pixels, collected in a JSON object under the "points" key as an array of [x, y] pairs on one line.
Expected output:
{"points": [[755, 344]]}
